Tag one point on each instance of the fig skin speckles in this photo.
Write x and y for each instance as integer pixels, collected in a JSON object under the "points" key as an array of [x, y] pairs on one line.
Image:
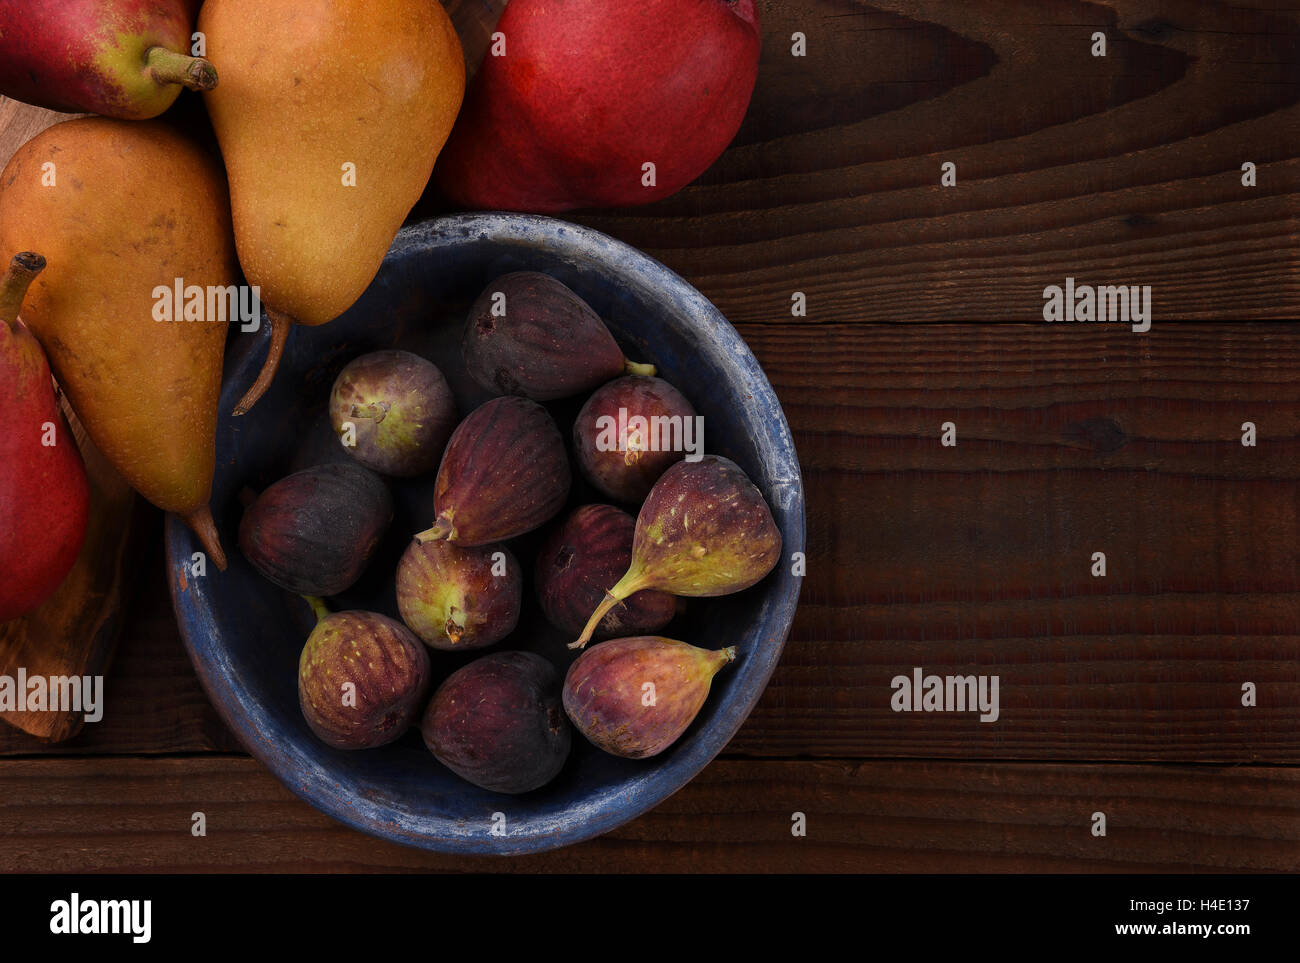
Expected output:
{"points": [[624, 457], [499, 723], [457, 598], [504, 473], [528, 334], [583, 556], [635, 697], [705, 530], [387, 667]]}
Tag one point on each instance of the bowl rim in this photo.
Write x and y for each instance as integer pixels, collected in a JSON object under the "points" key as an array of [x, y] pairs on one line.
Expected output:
{"points": [[243, 714]]}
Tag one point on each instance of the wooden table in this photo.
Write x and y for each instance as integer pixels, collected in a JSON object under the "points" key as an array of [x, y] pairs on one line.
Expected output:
{"points": [[1119, 694]]}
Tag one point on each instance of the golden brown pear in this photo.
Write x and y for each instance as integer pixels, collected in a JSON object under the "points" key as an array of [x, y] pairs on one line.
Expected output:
{"points": [[330, 115], [121, 209]]}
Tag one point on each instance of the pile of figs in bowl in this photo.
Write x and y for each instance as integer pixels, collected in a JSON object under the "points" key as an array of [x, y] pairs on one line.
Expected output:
{"points": [[528, 723]]}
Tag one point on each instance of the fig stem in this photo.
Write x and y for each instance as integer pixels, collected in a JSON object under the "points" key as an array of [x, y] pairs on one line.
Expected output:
{"points": [[18, 277], [169, 67], [633, 368], [318, 606], [607, 603], [376, 411], [279, 325], [206, 530], [442, 528]]}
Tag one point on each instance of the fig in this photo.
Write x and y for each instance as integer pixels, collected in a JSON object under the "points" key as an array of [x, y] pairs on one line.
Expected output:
{"points": [[362, 678], [704, 530], [588, 552], [459, 598], [312, 532], [499, 724], [528, 334], [630, 431], [635, 697], [393, 412], [505, 472]]}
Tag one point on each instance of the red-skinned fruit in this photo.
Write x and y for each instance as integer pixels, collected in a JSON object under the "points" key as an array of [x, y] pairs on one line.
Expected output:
{"points": [[635, 697], [44, 494], [528, 334], [704, 530], [498, 723], [362, 678], [505, 472], [119, 58], [579, 559], [630, 432], [399, 409], [458, 598], [589, 92]]}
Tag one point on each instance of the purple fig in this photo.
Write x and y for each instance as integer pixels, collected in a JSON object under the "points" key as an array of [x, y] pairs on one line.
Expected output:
{"points": [[630, 431], [393, 412], [459, 598], [704, 530], [498, 723], [635, 697], [312, 532], [505, 472], [588, 552], [362, 678], [528, 334]]}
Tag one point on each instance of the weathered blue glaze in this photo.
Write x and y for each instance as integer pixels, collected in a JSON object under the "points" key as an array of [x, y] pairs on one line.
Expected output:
{"points": [[244, 635]]}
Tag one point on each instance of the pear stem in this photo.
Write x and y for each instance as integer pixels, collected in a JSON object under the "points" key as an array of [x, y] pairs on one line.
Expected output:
{"points": [[18, 277], [169, 67], [441, 529], [607, 603], [377, 411], [633, 368], [279, 325], [206, 530], [318, 606]]}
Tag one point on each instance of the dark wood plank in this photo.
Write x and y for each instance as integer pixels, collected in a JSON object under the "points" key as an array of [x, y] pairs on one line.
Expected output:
{"points": [[1071, 439], [1117, 169], [134, 815]]}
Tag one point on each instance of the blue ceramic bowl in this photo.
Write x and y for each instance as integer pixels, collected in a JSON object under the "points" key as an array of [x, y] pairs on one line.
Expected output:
{"points": [[244, 635]]}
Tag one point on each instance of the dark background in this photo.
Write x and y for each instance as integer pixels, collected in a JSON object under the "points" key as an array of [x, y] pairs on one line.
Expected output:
{"points": [[1119, 694]]}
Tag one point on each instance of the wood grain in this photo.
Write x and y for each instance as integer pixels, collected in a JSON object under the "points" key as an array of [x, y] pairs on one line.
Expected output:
{"points": [[1123, 169], [132, 815], [977, 559]]}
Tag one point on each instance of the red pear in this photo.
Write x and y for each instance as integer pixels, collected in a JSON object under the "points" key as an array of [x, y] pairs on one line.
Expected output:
{"points": [[44, 495], [120, 58], [575, 99]]}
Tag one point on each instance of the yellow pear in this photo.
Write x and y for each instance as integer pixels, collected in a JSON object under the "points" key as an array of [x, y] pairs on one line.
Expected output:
{"points": [[125, 212], [330, 115]]}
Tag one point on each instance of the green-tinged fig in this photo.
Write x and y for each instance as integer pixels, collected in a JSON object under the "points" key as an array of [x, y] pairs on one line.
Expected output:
{"points": [[635, 697], [505, 472], [528, 334], [312, 532], [499, 724], [459, 598], [362, 678], [704, 530], [630, 431], [393, 412], [579, 559]]}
